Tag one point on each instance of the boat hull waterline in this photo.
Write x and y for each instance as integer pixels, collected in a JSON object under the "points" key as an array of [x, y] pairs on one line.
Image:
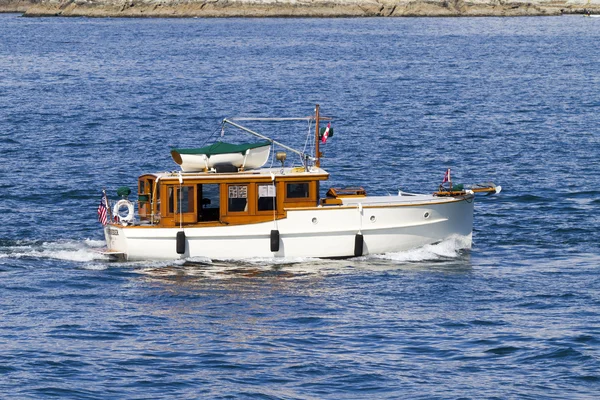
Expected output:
{"points": [[387, 224]]}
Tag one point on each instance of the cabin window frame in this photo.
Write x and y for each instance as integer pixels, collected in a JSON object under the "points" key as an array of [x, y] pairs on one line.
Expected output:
{"points": [[156, 197], [144, 206], [273, 201], [229, 190], [190, 202], [212, 211], [173, 192], [289, 198], [170, 199]]}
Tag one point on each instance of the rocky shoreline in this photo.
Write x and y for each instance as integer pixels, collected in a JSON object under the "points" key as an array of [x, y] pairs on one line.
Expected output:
{"points": [[295, 8]]}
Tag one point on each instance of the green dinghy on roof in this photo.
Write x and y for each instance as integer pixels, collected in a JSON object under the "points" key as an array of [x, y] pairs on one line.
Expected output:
{"points": [[239, 155], [222, 148]]}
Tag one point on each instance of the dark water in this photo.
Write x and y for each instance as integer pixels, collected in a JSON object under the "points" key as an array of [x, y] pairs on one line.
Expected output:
{"points": [[93, 103]]}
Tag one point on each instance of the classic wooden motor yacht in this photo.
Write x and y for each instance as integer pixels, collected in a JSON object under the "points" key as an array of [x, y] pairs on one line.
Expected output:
{"points": [[224, 204]]}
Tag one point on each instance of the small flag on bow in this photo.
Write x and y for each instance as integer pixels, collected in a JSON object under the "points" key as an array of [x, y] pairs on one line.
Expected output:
{"points": [[446, 176], [103, 211]]}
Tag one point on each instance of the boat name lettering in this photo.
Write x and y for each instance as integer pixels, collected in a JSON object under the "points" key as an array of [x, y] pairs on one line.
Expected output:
{"points": [[113, 232]]}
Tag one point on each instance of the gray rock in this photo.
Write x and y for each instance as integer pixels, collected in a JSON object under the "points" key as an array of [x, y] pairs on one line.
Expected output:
{"points": [[295, 8]]}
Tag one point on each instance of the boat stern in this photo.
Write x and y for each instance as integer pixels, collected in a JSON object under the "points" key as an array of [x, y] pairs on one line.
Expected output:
{"points": [[116, 244]]}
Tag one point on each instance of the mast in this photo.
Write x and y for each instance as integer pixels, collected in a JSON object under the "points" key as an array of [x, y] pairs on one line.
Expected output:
{"points": [[317, 152]]}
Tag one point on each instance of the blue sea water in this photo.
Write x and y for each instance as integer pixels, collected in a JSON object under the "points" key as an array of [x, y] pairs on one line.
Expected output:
{"points": [[87, 104]]}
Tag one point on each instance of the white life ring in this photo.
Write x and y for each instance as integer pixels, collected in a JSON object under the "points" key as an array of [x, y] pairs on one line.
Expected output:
{"points": [[127, 218]]}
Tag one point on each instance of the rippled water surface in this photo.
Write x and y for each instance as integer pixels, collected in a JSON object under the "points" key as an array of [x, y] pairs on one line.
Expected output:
{"points": [[93, 103]]}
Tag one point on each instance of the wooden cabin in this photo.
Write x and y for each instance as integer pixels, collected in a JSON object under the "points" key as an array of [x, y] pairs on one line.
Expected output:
{"points": [[212, 199]]}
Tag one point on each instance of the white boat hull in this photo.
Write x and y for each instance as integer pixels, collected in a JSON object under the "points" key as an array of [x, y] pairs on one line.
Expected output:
{"points": [[388, 224]]}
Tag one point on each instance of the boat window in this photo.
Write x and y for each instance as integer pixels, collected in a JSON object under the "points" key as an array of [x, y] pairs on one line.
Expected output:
{"points": [[237, 198], [157, 197], [186, 201], [297, 190], [208, 202], [170, 200], [267, 197], [143, 200], [180, 199]]}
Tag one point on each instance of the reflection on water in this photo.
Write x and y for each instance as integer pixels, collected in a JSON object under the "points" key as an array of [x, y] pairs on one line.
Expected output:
{"points": [[191, 272]]}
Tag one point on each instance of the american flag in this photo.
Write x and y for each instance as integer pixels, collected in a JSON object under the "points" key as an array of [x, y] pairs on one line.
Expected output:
{"points": [[103, 211]]}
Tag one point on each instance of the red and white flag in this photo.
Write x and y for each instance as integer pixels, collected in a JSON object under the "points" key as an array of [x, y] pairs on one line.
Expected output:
{"points": [[325, 134], [446, 176], [103, 211]]}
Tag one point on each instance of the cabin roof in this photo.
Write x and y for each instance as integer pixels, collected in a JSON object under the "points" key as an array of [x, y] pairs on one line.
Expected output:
{"points": [[299, 172]]}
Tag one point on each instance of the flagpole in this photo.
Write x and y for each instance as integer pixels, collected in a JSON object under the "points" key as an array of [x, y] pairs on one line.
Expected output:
{"points": [[317, 153], [107, 205]]}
